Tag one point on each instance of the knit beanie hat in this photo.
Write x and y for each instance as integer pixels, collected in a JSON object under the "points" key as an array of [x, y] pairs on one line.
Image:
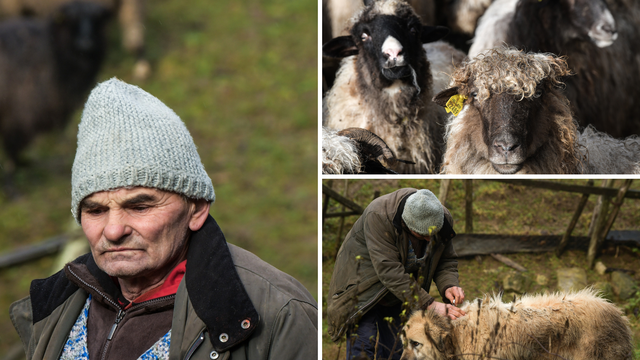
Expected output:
{"points": [[423, 213], [127, 137]]}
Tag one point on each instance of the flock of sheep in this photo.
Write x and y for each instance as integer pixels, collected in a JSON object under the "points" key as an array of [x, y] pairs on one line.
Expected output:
{"points": [[546, 87], [50, 54]]}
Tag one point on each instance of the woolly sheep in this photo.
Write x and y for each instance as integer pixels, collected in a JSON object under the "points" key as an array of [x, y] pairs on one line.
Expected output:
{"points": [[515, 119], [385, 82], [131, 14], [600, 40], [46, 69], [578, 325]]}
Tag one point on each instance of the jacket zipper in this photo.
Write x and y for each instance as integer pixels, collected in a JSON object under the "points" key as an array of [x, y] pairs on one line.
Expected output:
{"points": [[195, 346], [362, 309], [121, 312]]}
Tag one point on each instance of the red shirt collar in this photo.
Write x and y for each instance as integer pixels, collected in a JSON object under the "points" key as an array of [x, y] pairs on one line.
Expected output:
{"points": [[168, 287]]}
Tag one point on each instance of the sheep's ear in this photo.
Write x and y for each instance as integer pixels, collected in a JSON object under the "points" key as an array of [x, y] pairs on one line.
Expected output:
{"points": [[340, 47], [433, 33], [443, 96]]}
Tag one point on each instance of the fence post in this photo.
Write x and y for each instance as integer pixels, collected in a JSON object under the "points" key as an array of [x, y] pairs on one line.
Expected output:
{"points": [[598, 227], [468, 209], [574, 221]]}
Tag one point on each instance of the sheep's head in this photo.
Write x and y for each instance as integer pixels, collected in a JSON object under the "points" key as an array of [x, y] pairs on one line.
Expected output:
{"points": [[427, 336], [589, 20], [512, 102], [389, 35], [81, 26]]}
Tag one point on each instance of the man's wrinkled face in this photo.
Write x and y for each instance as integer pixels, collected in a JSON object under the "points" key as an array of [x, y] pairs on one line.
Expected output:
{"points": [[136, 232]]}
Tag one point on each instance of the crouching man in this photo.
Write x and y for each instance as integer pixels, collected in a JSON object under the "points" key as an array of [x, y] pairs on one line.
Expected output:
{"points": [[395, 249], [160, 282]]}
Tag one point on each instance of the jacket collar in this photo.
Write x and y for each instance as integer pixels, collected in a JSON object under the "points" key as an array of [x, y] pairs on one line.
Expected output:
{"points": [[397, 219], [215, 289]]}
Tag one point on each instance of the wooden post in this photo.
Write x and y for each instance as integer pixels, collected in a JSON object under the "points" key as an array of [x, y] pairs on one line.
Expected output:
{"points": [[468, 209], [325, 206], [338, 239], [444, 190], [617, 203], [600, 223], [596, 209], [574, 221]]}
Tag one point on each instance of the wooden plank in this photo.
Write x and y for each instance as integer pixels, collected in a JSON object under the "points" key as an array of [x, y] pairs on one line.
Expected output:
{"points": [[34, 252], [551, 185], [485, 244], [444, 191], [341, 214], [505, 260], [600, 223], [342, 200], [468, 206]]}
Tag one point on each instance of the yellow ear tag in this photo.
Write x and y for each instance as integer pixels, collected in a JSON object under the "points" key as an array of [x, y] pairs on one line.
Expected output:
{"points": [[432, 228], [455, 104]]}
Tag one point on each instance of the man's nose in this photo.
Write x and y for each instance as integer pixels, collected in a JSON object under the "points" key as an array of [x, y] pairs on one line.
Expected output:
{"points": [[116, 228]]}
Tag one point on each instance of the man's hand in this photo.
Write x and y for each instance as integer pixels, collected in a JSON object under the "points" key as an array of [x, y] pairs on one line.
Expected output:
{"points": [[446, 310], [455, 295]]}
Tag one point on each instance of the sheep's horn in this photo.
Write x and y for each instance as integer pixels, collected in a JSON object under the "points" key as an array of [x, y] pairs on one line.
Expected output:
{"points": [[372, 146]]}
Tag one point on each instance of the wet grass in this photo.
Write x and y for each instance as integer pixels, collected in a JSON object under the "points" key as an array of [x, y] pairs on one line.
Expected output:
{"points": [[242, 75]]}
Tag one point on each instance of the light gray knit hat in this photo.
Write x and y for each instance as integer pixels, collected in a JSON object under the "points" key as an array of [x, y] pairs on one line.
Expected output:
{"points": [[423, 213], [127, 137]]}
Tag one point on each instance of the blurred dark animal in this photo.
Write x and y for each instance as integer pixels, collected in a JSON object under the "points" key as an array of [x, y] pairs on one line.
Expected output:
{"points": [[131, 14], [386, 81], [579, 325], [46, 69], [356, 151], [515, 119], [601, 41]]}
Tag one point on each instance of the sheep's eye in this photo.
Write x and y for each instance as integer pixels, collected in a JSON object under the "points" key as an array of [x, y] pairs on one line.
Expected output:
{"points": [[474, 94], [413, 30], [365, 36], [414, 344], [538, 93]]}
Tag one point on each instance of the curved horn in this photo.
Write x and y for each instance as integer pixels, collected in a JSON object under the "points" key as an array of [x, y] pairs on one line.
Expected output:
{"points": [[372, 146]]}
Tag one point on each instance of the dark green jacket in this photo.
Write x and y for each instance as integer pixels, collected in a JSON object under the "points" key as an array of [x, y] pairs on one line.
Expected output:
{"points": [[370, 264], [223, 288]]}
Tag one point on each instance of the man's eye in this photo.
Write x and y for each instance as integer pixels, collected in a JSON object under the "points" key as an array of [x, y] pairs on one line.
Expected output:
{"points": [[95, 211], [140, 208]]}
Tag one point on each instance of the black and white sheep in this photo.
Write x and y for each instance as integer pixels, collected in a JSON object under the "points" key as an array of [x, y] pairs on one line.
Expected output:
{"points": [[515, 119], [131, 14], [601, 41], [385, 82], [356, 151], [46, 69]]}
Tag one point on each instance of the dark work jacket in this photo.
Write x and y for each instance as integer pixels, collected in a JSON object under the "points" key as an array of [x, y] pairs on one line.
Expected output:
{"points": [[229, 305], [371, 264]]}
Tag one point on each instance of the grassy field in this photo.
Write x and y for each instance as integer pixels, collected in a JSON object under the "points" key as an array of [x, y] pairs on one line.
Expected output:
{"points": [[498, 209], [243, 77]]}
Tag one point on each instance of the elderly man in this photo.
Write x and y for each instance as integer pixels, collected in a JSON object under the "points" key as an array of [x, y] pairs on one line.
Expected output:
{"points": [[395, 249], [160, 282]]}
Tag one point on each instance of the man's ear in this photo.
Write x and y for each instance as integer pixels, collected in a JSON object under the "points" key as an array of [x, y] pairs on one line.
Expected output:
{"points": [[443, 96], [340, 47], [200, 214], [433, 33]]}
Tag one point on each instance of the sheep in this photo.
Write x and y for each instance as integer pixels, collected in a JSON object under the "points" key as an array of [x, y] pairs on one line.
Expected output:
{"points": [[46, 69], [355, 151], [385, 82], [577, 325], [600, 40], [515, 119], [131, 15]]}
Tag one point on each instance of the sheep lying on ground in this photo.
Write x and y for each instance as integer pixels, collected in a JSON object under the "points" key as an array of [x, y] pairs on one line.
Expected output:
{"points": [[600, 39], [385, 83], [515, 119], [131, 14], [355, 151], [46, 70], [578, 325]]}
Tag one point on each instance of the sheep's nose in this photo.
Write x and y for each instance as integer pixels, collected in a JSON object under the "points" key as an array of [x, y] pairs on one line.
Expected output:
{"points": [[506, 146], [391, 48], [608, 28]]}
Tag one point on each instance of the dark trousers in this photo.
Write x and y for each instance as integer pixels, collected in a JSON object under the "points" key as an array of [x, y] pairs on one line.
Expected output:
{"points": [[362, 339]]}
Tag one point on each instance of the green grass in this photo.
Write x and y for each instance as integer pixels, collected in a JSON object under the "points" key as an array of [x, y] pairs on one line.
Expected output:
{"points": [[498, 208], [242, 75]]}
